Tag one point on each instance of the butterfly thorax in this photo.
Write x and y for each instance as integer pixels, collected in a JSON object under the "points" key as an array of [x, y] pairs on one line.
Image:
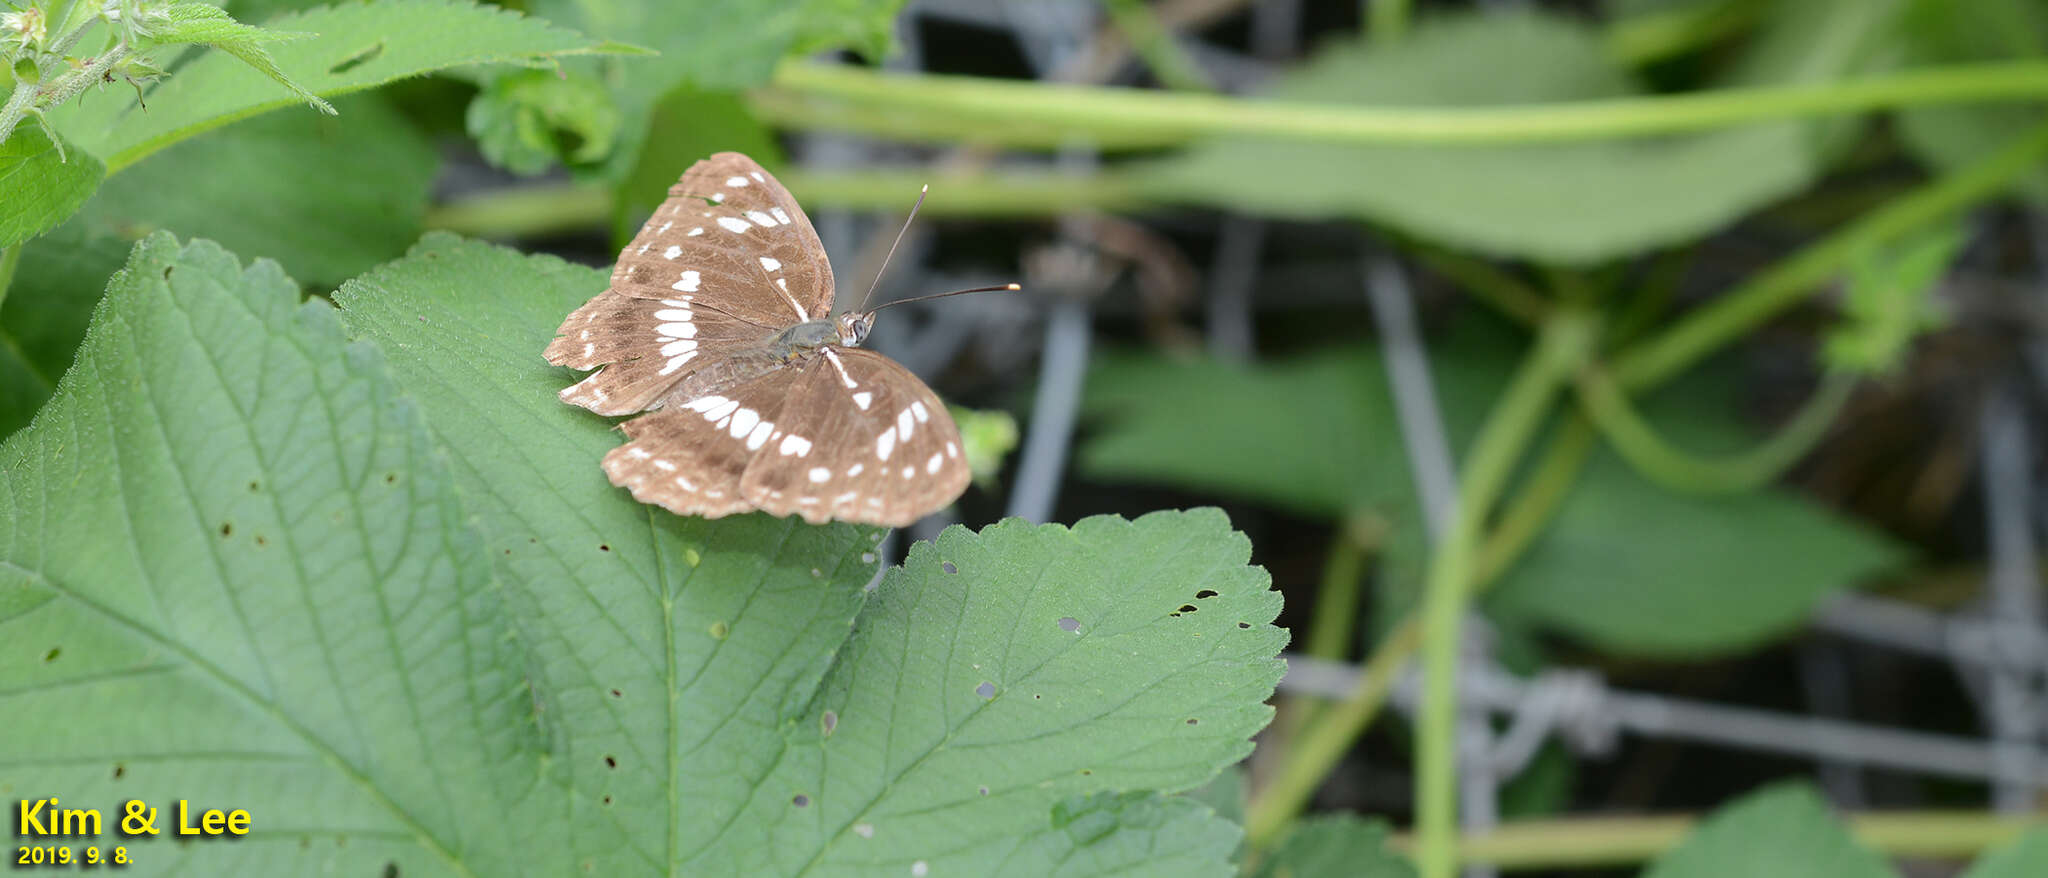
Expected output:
{"points": [[804, 338]]}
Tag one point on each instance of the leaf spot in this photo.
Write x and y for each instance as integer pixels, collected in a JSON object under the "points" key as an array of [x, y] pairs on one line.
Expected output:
{"points": [[986, 690], [920, 869], [1205, 593], [1244, 624], [864, 830], [719, 629], [800, 800], [948, 567], [1070, 624], [610, 762], [828, 722]]}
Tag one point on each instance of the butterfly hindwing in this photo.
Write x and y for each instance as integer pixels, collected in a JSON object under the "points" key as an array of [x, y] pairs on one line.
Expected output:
{"points": [[645, 348], [688, 458], [877, 445]]}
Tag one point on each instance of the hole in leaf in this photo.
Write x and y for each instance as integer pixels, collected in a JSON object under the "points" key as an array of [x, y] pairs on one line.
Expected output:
{"points": [[1193, 721], [254, 487], [607, 799], [1244, 624], [226, 529], [1087, 772], [119, 770], [867, 557], [800, 800], [986, 690], [1069, 624], [984, 791], [167, 272], [52, 655], [358, 59], [1205, 593], [609, 762], [1188, 608], [390, 870], [261, 541], [948, 567], [615, 693], [390, 478], [604, 547]]}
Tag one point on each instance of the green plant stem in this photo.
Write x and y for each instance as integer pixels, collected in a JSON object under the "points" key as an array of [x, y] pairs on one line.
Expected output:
{"points": [[1659, 461], [1566, 340], [555, 207], [1041, 115], [1387, 20], [1578, 843], [1536, 500], [1337, 598], [65, 88], [1154, 42], [1504, 292], [1786, 283]]}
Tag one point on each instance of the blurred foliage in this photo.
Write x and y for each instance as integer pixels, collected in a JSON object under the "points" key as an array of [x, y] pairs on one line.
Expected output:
{"points": [[1784, 831]]}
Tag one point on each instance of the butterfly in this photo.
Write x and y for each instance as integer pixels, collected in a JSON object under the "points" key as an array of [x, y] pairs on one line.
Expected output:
{"points": [[717, 331]]}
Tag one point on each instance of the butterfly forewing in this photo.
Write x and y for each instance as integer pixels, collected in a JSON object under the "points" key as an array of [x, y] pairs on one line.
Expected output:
{"points": [[646, 348], [871, 444], [730, 234]]}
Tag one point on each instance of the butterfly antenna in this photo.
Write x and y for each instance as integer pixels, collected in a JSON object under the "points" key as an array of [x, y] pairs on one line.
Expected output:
{"points": [[921, 193], [1011, 287]]}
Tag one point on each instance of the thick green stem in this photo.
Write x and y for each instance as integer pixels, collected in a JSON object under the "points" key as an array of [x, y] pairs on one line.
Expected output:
{"points": [[1039, 115], [1765, 295], [1331, 632], [1666, 464], [1566, 341]]}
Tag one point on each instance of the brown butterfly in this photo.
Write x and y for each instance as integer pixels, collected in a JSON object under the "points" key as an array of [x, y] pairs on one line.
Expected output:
{"points": [[718, 326]]}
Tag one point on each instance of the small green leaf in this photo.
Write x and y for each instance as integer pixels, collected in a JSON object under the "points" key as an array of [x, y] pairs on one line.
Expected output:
{"points": [[2026, 857], [1885, 303], [328, 197], [1570, 202], [1719, 573], [986, 437], [355, 46], [45, 183], [527, 120], [1783, 831], [1333, 846]]}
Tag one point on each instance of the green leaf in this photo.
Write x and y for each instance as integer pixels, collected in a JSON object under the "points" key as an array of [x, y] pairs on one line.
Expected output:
{"points": [[234, 570], [357, 46], [528, 120], [1332, 846], [728, 643], [327, 196], [44, 316], [211, 26], [1784, 830], [1885, 304], [1572, 202], [1953, 136], [2026, 857], [43, 188], [1719, 573]]}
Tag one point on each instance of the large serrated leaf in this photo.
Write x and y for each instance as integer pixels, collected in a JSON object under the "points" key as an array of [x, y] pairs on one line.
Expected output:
{"points": [[1573, 202], [1783, 831], [44, 182], [356, 46], [234, 571], [724, 643]]}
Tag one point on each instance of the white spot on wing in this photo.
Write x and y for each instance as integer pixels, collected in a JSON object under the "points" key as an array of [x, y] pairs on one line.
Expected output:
{"points": [[862, 399], [771, 263], [796, 445], [664, 227], [689, 281], [820, 474], [675, 348], [677, 330], [903, 425], [705, 403], [696, 231], [735, 182], [672, 252], [917, 408], [756, 175], [780, 217], [932, 465], [677, 362], [732, 224], [673, 315], [833, 358], [759, 436], [665, 466], [854, 470], [884, 444], [638, 453], [952, 450], [761, 219], [744, 420]]}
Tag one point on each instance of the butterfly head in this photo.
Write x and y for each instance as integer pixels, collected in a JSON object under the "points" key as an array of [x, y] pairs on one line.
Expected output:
{"points": [[854, 326]]}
